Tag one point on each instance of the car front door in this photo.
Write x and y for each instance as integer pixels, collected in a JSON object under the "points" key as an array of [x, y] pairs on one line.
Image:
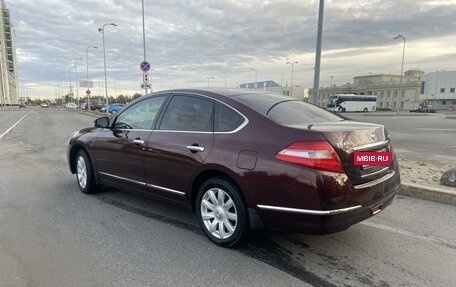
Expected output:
{"points": [[119, 154], [178, 146]]}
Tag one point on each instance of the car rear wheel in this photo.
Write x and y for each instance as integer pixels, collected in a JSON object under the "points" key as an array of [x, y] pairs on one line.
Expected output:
{"points": [[84, 173], [221, 212], [365, 110]]}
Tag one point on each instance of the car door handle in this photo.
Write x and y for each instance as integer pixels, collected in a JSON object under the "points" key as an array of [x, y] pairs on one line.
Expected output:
{"points": [[194, 148], [138, 142]]}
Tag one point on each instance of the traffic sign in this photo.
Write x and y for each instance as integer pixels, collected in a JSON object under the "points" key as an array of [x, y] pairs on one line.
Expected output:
{"points": [[145, 66], [146, 77], [88, 92]]}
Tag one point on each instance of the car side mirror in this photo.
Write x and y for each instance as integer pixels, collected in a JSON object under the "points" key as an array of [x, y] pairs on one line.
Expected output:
{"points": [[102, 122]]}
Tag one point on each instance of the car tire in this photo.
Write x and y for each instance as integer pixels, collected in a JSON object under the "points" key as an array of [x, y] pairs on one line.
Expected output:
{"points": [[365, 110], [84, 174], [221, 212]]}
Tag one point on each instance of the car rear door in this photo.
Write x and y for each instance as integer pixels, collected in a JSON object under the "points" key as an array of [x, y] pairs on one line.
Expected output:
{"points": [[179, 145], [119, 155]]}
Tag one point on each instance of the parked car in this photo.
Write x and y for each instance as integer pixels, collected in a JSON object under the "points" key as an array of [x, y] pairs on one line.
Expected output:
{"points": [[70, 106], [44, 105], [240, 159], [95, 106], [115, 108], [427, 109], [414, 109]]}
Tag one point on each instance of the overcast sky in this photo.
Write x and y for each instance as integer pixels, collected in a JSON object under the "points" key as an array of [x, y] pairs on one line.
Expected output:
{"points": [[188, 41]]}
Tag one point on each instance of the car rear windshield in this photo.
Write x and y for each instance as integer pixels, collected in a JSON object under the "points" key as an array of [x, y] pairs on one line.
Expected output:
{"points": [[286, 111]]}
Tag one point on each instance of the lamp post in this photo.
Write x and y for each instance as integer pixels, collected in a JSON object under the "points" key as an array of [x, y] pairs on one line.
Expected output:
{"points": [[281, 84], [255, 83], [291, 80], [144, 45], [402, 69], [77, 84], [88, 84], [225, 77], [101, 30], [70, 87], [208, 79]]}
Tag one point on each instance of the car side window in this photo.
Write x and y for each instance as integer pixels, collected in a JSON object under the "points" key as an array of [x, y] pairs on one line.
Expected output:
{"points": [[141, 115], [187, 113], [226, 119]]}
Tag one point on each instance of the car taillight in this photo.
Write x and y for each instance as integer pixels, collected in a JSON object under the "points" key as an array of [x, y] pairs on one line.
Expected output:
{"points": [[319, 155]]}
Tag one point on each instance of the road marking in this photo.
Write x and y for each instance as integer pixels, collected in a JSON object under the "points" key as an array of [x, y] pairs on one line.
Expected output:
{"points": [[437, 130], [447, 243], [12, 127]]}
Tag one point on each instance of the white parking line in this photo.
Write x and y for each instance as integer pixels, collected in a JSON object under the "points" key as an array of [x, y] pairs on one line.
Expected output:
{"points": [[12, 127], [403, 232], [437, 130]]}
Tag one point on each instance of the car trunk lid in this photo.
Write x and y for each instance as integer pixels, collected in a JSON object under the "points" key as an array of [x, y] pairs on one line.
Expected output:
{"points": [[347, 137]]}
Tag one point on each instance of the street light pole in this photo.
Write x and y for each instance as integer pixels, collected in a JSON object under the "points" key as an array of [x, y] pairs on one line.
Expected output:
{"points": [[225, 77], [402, 69], [291, 80], [70, 88], [101, 30], [144, 42], [77, 84], [331, 90], [316, 84], [88, 84], [208, 78], [255, 83], [281, 84]]}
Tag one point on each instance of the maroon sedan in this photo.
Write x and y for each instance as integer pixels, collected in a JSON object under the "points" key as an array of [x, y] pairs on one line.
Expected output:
{"points": [[240, 159]]}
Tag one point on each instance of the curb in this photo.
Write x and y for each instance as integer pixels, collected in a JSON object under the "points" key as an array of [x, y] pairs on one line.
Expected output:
{"points": [[442, 195]]}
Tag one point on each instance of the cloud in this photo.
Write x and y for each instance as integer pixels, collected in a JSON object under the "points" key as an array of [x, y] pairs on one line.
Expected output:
{"points": [[187, 41]]}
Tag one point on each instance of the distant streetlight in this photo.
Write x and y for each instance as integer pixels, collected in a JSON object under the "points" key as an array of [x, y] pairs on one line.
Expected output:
{"points": [[144, 41], [331, 89], [225, 77], [101, 30], [291, 81], [402, 70], [77, 84], [255, 83], [70, 87], [281, 83], [88, 85], [208, 79]]}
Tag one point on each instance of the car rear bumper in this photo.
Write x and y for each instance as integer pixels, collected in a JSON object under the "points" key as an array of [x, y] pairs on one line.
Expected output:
{"points": [[314, 223]]}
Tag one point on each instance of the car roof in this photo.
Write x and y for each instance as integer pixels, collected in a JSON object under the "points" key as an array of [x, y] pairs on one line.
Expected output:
{"points": [[259, 100]]}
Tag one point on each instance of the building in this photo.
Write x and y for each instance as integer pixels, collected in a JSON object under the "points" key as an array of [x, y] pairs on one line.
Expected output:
{"points": [[438, 89], [390, 92], [9, 91], [297, 92]]}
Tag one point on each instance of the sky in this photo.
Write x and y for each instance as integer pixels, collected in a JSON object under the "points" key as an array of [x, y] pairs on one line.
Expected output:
{"points": [[188, 42]]}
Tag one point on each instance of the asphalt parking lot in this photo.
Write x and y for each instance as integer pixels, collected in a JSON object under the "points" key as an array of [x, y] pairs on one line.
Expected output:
{"points": [[53, 235]]}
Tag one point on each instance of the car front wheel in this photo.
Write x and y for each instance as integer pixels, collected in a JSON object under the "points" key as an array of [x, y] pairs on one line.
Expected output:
{"points": [[84, 173], [221, 212]]}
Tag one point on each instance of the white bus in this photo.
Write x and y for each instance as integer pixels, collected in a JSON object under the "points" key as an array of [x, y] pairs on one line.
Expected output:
{"points": [[351, 103]]}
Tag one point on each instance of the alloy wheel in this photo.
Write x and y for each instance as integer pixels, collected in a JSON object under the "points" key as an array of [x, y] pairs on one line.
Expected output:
{"points": [[81, 169], [219, 213]]}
